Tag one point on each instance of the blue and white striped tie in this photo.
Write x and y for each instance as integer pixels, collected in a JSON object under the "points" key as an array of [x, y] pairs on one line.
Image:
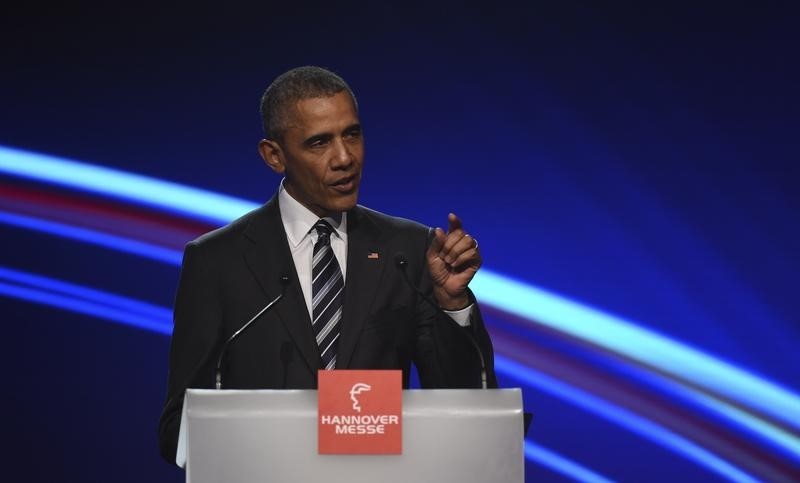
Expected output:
{"points": [[327, 289]]}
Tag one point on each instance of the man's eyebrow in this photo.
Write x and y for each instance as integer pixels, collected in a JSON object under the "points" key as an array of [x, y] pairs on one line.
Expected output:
{"points": [[353, 127]]}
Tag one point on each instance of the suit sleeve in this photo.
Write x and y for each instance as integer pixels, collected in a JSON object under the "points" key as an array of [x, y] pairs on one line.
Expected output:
{"points": [[444, 355], [195, 340]]}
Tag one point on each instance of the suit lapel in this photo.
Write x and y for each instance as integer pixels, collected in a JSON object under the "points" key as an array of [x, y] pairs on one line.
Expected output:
{"points": [[365, 262], [268, 257]]}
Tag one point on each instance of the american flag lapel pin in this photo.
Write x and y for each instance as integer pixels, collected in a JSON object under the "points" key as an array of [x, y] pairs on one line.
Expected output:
{"points": [[373, 255]]}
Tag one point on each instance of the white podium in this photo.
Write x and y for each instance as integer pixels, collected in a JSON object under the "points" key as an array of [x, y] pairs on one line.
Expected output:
{"points": [[270, 436]]}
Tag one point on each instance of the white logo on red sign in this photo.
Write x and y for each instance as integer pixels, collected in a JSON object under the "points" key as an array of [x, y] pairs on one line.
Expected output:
{"points": [[357, 389], [359, 412]]}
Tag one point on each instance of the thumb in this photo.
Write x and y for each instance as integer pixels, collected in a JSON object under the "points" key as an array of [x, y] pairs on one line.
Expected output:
{"points": [[436, 244]]}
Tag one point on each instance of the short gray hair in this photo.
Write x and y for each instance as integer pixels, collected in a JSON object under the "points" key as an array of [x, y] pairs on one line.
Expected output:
{"points": [[287, 89]]}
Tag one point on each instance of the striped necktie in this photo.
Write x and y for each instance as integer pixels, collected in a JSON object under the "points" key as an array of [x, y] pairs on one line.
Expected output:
{"points": [[327, 289]]}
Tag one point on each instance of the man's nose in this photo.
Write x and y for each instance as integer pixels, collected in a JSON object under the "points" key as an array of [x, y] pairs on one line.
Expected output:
{"points": [[342, 156]]}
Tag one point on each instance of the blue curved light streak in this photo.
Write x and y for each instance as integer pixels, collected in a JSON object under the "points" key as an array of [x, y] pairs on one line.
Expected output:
{"points": [[165, 195], [517, 298], [94, 309], [777, 437], [624, 418], [634, 341], [562, 465], [766, 432], [86, 235], [87, 294], [89, 301]]}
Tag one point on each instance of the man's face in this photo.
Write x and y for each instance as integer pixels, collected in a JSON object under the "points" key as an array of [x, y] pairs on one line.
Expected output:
{"points": [[321, 154]]}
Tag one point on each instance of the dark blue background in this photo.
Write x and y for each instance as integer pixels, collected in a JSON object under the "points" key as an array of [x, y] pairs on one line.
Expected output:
{"points": [[640, 159]]}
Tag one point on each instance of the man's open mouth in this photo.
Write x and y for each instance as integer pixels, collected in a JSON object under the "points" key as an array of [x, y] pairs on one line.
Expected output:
{"points": [[345, 185]]}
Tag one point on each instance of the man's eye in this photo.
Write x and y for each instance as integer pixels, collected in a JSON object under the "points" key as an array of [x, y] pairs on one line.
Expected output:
{"points": [[353, 134]]}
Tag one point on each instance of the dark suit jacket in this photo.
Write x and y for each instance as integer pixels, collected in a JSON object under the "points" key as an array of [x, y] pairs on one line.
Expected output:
{"points": [[228, 275]]}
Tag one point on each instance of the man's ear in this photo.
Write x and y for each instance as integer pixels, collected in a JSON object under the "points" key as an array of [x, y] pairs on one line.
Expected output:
{"points": [[272, 154]]}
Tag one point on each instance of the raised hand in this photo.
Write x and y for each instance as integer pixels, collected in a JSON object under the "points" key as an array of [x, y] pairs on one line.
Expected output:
{"points": [[453, 259]]}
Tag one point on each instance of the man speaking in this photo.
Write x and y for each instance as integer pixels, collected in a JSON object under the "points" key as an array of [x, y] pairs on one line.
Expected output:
{"points": [[361, 290]]}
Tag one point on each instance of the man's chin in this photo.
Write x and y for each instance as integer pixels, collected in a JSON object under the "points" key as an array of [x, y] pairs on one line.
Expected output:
{"points": [[343, 203], [350, 204]]}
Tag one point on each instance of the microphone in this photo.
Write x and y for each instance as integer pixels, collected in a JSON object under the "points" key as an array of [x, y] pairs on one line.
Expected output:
{"points": [[402, 263], [284, 283]]}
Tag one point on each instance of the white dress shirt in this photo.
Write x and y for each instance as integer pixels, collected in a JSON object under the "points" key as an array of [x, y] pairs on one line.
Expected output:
{"points": [[298, 222]]}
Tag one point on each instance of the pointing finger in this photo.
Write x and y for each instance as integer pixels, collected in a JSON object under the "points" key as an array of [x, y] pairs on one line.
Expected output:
{"points": [[454, 222]]}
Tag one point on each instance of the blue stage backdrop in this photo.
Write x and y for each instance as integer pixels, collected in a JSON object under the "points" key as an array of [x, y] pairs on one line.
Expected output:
{"points": [[630, 171]]}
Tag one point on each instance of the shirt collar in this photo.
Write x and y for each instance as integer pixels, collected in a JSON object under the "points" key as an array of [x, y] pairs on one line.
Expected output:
{"points": [[299, 220]]}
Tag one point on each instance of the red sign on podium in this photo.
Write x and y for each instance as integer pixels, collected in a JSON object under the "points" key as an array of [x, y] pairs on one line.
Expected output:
{"points": [[360, 412]]}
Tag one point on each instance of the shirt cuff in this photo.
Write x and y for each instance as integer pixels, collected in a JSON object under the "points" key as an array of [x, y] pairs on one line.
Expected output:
{"points": [[463, 316]]}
